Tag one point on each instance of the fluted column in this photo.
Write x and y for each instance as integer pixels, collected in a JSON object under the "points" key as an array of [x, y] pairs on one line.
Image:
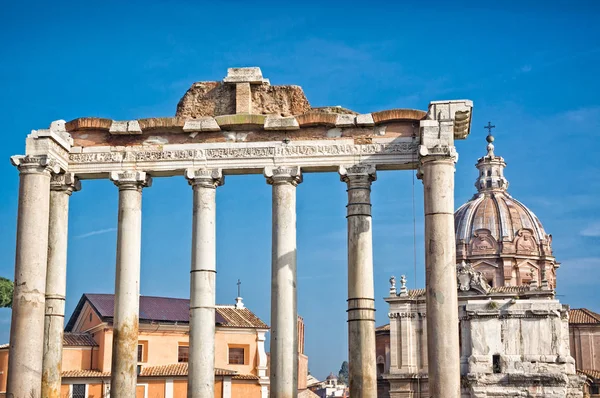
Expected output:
{"points": [[284, 318], [201, 367], [61, 188], [361, 295], [27, 324], [440, 278], [127, 282]]}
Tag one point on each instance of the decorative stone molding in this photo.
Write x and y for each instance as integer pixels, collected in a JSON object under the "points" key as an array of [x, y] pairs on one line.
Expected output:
{"points": [[65, 182], [470, 279], [35, 164], [281, 123], [131, 179], [208, 178], [345, 121], [201, 124], [445, 121], [252, 75], [129, 127], [365, 120], [278, 175]]}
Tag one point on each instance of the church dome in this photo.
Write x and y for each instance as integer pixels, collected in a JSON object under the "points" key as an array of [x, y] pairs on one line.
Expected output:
{"points": [[500, 235]]}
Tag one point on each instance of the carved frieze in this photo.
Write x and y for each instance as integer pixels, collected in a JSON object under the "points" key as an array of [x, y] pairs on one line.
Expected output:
{"points": [[242, 152]]}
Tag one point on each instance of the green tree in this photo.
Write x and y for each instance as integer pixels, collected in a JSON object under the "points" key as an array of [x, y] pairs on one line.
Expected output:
{"points": [[6, 293], [343, 373]]}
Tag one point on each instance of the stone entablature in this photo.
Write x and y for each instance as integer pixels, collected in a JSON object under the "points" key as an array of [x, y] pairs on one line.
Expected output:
{"points": [[207, 133]]}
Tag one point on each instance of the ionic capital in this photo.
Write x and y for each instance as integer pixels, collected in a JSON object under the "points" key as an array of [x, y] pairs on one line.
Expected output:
{"points": [[65, 182], [283, 175], [130, 179], [41, 164], [208, 178], [358, 174]]}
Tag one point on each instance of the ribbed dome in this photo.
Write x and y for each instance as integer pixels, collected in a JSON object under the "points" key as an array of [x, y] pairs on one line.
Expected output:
{"points": [[499, 235], [499, 213]]}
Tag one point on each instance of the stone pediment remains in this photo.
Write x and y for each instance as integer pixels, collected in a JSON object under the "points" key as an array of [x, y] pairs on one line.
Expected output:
{"points": [[469, 279], [219, 98]]}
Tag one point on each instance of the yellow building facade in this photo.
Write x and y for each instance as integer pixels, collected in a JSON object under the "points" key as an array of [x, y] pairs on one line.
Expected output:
{"points": [[241, 361]]}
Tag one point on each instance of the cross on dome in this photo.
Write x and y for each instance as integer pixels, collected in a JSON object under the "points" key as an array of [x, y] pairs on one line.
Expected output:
{"points": [[491, 167]]}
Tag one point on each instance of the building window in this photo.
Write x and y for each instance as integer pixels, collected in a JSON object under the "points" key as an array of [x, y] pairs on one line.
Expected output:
{"points": [[594, 390], [236, 356], [183, 354], [140, 353], [496, 363], [90, 316], [78, 391], [380, 369]]}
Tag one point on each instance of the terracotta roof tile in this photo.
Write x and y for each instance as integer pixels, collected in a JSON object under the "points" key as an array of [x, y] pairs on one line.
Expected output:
{"points": [[79, 340], [240, 318], [168, 310], [383, 328], [583, 316], [509, 289], [307, 394], [594, 374], [72, 340], [84, 373], [181, 369], [245, 377]]}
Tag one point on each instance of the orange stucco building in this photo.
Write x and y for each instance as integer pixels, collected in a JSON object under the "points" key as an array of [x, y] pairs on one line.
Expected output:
{"points": [[240, 358]]}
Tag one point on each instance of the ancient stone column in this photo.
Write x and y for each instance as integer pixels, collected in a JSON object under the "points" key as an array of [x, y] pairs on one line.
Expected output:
{"points": [[284, 318], [61, 188], [27, 324], [201, 366], [127, 282], [361, 295], [440, 279]]}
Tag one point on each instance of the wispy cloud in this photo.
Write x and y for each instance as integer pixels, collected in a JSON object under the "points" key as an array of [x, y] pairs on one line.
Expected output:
{"points": [[97, 232], [591, 230], [526, 68], [571, 271]]}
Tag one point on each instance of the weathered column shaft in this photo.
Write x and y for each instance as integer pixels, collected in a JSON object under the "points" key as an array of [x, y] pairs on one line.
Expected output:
{"points": [[27, 324], [201, 367], [440, 260], [361, 296], [127, 283], [61, 187], [284, 312]]}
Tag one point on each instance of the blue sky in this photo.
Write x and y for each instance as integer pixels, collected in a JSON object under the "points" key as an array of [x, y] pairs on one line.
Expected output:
{"points": [[531, 69]]}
